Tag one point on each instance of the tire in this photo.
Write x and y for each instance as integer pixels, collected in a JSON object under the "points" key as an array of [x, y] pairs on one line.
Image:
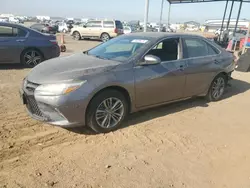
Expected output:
{"points": [[105, 37], [215, 88], [76, 35], [31, 57], [99, 124]]}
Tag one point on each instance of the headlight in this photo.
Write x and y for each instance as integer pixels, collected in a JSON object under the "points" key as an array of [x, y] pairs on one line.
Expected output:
{"points": [[58, 89]]}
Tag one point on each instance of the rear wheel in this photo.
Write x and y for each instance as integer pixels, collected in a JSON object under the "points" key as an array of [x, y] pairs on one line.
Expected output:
{"points": [[76, 35], [107, 111], [217, 88], [105, 37], [31, 58]]}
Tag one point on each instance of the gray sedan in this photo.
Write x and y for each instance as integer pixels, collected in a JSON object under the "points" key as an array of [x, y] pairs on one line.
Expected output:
{"points": [[101, 86]]}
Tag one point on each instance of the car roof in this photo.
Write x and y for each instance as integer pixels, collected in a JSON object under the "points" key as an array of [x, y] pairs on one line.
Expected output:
{"points": [[162, 34]]}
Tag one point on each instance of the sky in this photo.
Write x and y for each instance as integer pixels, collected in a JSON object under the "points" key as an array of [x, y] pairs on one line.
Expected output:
{"points": [[120, 9]]}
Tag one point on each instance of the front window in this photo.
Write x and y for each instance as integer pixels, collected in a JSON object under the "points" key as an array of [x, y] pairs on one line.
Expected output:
{"points": [[167, 50], [119, 49]]}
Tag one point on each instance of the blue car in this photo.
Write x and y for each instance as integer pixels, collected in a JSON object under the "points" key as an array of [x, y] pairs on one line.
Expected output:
{"points": [[19, 44]]}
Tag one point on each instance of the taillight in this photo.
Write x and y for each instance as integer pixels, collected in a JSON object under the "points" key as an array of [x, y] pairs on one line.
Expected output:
{"points": [[116, 30], [53, 41]]}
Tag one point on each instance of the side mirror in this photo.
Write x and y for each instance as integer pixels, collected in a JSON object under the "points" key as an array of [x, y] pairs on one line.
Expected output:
{"points": [[151, 60]]}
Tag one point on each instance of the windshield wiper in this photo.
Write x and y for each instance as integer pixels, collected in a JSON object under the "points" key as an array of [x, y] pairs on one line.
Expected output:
{"points": [[99, 57]]}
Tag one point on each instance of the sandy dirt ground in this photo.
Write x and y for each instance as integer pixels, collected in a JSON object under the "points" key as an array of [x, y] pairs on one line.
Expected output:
{"points": [[190, 144]]}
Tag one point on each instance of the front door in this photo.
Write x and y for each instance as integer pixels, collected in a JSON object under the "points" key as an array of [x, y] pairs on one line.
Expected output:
{"points": [[155, 84]]}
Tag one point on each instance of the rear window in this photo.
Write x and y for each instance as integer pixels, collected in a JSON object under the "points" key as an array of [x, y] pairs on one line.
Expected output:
{"points": [[118, 24], [19, 32], [12, 32]]}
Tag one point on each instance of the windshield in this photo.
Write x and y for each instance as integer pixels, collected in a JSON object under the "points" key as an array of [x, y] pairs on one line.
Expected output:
{"points": [[120, 48]]}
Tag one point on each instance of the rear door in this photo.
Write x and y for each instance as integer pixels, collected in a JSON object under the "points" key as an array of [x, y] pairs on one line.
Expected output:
{"points": [[202, 65], [109, 27], [93, 29], [12, 43]]}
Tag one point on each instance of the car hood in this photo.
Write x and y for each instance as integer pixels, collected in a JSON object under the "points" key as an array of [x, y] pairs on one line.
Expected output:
{"points": [[73, 67]]}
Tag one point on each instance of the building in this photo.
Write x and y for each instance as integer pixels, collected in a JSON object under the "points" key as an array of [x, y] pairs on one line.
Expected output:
{"points": [[212, 25], [6, 15], [42, 18]]}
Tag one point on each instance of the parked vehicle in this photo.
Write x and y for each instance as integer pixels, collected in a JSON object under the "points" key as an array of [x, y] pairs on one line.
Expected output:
{"points": [[163, 28], [14, 20], [127, 29], [98, 29], [192, 29], [63, 27], [44, 28], [99, 87], [21, 44], [149, 29], [4, 20]]}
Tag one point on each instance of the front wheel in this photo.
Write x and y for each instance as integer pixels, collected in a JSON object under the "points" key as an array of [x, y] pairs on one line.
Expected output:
{"points": [[217, 88], [107, 111]]}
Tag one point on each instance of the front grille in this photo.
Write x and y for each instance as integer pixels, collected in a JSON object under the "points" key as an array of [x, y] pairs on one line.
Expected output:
{"points": [[33, 107]]}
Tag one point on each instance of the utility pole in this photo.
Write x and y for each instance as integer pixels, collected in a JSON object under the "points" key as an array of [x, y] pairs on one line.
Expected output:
{"points": [[146, 15]]}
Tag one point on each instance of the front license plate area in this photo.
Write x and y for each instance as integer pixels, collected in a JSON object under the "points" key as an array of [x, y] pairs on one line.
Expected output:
{"points": [[24, 99]]}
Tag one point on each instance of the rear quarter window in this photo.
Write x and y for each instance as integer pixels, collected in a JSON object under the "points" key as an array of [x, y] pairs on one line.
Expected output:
{"points": [[19, 32], [108, 24]]}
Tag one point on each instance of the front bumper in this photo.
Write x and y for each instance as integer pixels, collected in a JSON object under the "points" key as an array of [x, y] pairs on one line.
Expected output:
{"points": [[55, 110]]}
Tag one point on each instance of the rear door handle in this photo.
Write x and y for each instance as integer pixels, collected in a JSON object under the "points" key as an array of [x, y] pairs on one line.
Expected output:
{"points": [[20, 40], [182, 67], [216, 62]]}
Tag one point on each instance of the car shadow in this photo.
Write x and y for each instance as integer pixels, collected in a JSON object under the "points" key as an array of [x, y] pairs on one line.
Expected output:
{"points": [[236, 87], [6, 66]]}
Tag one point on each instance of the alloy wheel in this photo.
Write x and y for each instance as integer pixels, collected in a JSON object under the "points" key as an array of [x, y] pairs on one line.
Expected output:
{"points": [[218, 87], [105, 37], [109, 113], [76, 36], [32, 58]]}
